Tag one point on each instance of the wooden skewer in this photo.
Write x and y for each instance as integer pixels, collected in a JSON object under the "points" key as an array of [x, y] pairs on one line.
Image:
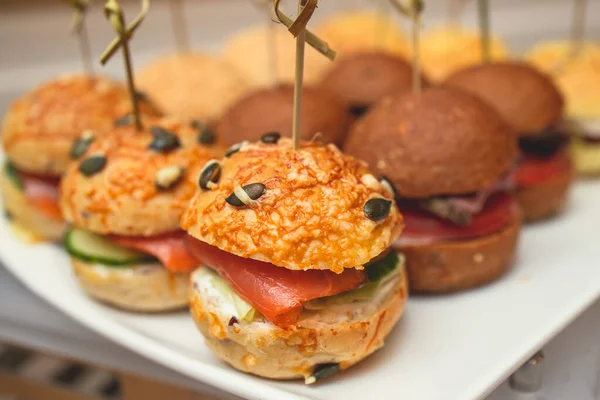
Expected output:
{"points": [[484, 26], [79, 27], [179, 25], [114, 13]]}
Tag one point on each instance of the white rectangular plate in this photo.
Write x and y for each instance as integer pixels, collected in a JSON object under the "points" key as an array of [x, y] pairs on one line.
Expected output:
{"points": [[446, 347]]}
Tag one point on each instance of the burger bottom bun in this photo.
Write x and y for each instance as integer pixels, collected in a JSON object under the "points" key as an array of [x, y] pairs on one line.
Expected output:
{"points": [[27, 216], [458, 265], [141, 288], [342, 333], [586, 157], [545, 199]]}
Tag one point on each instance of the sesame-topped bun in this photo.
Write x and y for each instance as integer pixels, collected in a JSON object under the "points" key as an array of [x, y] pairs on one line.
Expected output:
{"points": [[447, 49], [271, 110], [525, 97], [39, 127], [313, 208], [191, 85], [135, 183], [248, 51], [361, 79], [577, 77], [438, 142], [362, 30]]}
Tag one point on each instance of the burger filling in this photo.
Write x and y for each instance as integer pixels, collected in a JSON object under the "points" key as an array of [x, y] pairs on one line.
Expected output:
{"points": [[543, 156], [126, 251], [279, 294], [585, 145], [39, 191], [446, 218]]}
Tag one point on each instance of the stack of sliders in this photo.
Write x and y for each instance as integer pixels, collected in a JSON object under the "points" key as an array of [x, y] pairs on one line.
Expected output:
{"points": [[297, 277], [577, 74], [37, 136], [123, 197], [532, 105], [449, 155]]}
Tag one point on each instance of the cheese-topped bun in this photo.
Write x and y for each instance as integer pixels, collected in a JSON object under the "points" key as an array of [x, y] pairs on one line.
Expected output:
{"points": [[39, 127], [440, 141], [577, 77], [248, 51], [362, 30], [135, 183], [271, 110], [525, 97], [296, 278], [361, 79], [447, 49], [311, 213], [191, 85]]}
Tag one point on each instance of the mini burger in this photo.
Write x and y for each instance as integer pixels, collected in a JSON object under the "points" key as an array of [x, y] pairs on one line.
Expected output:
{"points": [[249, 52], [297, 280], [449, 156], [271, 110], [448, 49], [578, 78], [362, 30], [191, 86], [533, 107], [37, 136], [123, 197], [361, 79]]}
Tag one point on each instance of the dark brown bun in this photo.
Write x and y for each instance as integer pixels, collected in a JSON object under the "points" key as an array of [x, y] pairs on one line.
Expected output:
{"points": [[270, 110], [361, 79], [440, 141], [457, 265], [546, 199], [525, 97]]}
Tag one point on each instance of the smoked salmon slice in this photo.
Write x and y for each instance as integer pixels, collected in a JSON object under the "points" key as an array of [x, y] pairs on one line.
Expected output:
{"points": [[43, 194], [278, 293], [170, 249]]}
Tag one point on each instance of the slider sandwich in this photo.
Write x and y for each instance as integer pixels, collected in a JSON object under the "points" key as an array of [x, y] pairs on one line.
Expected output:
{"points": [[533, 107], [123, 197], [38, 131], [363, 78], [577, 74], [449, 157], [271, 110], [297, 277]]}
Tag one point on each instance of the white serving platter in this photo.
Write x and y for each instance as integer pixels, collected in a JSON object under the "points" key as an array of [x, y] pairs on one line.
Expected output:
{"points": [[446, 347]]}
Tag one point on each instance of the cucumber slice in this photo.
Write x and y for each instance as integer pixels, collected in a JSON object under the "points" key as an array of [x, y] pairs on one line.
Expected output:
{"points": [[11, 173], [88, 246]]}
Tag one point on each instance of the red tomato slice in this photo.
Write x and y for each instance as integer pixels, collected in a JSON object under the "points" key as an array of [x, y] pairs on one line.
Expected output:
{"points": [[534, 170], [170, 249], [498, 211], [278, 293], [43, 193]]}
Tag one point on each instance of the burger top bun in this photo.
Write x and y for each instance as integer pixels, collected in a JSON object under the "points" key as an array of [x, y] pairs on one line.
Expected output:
{"points": [[525, 97], [191, 85], [271, 109], [361, 79], [438, 142], [248, 51], [577, 77], [39, 127], [362, 30], [447, 49], [138, 191], [311, 214]]}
